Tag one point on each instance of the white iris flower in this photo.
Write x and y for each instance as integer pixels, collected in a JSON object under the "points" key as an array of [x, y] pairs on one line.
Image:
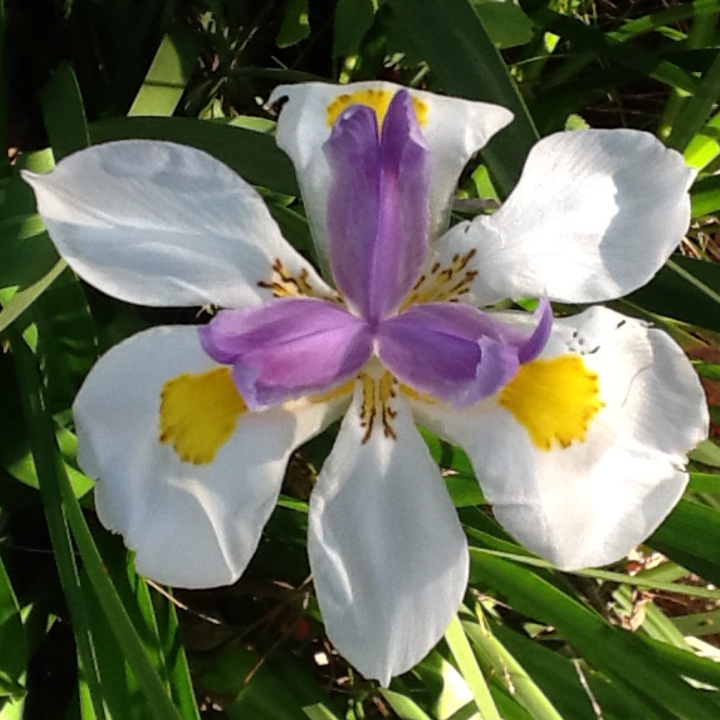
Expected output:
{"points": [[578, 429]]}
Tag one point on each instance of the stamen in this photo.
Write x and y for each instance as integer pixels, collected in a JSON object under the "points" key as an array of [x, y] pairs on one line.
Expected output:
{"points": [[555, 400], [284, 284], [377, 395], [375, 98], [443, 283], [199, 413]]}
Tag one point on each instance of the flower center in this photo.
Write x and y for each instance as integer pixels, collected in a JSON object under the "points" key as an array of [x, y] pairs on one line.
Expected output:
{"points": [[375, 98], [198, 414], [554, 400]]}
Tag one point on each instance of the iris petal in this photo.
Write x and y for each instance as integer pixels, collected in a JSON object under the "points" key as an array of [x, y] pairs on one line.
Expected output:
{"points": [[378, 213], [288, 348], [453, 352]]}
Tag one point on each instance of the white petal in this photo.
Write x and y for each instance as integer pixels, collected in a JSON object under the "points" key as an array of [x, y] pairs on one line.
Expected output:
{"points": [[594, 216], [156, 223], [589, 504], [190, 525], [386, 548], [455, 130]]}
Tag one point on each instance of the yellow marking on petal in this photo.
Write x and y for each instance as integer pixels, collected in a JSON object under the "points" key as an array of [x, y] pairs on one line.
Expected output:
{"points": [[443, 283], [283, 284], [555, 400], [335, 394], [377, 395], [199, 413], [415, 395], [375, 98]]}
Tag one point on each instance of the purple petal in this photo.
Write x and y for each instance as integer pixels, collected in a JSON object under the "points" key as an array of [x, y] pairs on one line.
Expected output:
{"points": [[288, 348], [452, 352], [533, 344], [378, 214]]}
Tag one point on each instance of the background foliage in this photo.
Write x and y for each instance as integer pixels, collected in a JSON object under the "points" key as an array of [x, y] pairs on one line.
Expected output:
{"points": [[81, 635]]}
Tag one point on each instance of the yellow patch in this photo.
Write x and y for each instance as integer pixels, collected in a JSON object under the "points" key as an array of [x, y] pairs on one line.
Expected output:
{"points": [[334, 394], [198, 414], [554, 400], [375, 98]]}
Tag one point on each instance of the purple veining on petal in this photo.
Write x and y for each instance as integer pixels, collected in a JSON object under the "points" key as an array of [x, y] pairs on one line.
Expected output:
{"points": [[378, 213], [452, 352], [288, 348]]}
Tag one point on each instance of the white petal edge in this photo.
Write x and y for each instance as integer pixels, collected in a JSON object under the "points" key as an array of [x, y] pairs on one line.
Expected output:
{"points": [[589, 504], [161, 224], [455, 130], [190, 525], [388, 554], [595, 214]]}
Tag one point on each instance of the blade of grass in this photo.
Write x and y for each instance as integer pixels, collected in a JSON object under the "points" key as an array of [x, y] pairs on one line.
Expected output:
{"points": [[628, 56], [470, 670], [64, 113], [639, 580], [705, 146], [503, 664], [168, 75], [66, 512], [694, 111], [47, 464], [616, 653], [23, 299]]}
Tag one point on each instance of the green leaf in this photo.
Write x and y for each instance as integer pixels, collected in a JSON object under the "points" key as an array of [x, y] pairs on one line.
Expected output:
{"points": [[618, 654], [470, 670], [705, 146], [685, 289], [404, 706], [466, 63], [505, 22], [694, 112], [633, 58], [64, 113], [165, 82], [63, 514], [296, 24], [14, 658], [502, 663], [559, 677], [46, 461], [690, 536], [705, 196], [353, 18], [23, 299], [67, 346]]}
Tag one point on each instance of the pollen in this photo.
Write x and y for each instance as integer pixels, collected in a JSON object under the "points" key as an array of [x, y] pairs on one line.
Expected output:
{"points": [[555, 400], [375, 98], [199, 413]]}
